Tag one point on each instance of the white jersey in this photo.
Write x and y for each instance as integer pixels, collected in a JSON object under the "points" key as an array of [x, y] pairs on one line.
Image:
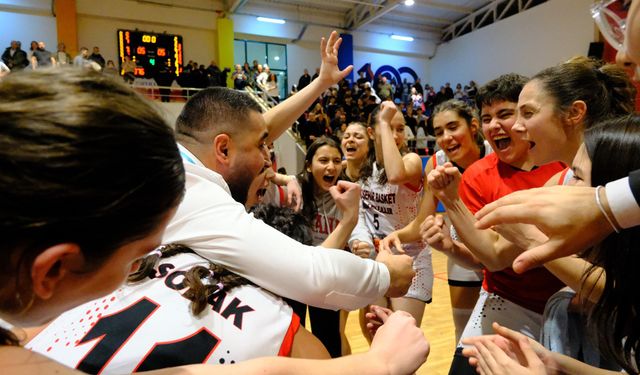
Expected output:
{"points": [[149, 325], [458, 275], [387, 207]]}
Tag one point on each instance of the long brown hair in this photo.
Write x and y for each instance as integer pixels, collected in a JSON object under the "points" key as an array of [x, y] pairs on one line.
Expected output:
{"points": [[84, 160], [200, 281]]}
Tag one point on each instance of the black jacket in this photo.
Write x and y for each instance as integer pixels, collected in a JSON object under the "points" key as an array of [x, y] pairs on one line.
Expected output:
{"points": [[16, 62]]}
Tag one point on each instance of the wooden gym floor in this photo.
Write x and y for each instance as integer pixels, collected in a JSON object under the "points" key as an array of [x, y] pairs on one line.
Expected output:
{"points": [[437, 324]]}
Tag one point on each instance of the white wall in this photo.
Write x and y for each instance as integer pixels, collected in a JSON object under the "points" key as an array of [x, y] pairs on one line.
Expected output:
{"points": [[27, 20], [99, 20], [524, 43]]}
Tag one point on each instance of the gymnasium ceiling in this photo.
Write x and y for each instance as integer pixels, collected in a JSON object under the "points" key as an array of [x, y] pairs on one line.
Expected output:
{"points": [[434, 20]]}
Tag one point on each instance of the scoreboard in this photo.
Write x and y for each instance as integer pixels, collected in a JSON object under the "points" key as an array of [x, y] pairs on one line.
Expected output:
{"points": [[151, 52]]}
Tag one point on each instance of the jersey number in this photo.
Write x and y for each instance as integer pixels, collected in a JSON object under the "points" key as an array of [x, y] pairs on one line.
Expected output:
{"points": [[115, 330], [376, 223]]}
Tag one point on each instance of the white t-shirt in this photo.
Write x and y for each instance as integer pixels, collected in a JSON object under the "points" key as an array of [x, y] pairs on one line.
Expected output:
{"points": [[218, 228], [149, 325]]}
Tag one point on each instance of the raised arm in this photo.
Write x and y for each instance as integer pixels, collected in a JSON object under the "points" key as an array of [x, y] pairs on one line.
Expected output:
{"points": [[489, 247], [400, 170], [411, 232], [282, 116]]}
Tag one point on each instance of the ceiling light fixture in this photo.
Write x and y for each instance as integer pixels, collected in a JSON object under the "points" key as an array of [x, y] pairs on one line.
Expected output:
{"points": [[402, 37], [271, 20], [409, 2]]}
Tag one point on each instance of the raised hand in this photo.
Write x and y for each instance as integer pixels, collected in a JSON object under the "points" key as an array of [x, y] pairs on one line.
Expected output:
{"points": [[330, 73], [347, 197], [387, 110], [443, 181]]}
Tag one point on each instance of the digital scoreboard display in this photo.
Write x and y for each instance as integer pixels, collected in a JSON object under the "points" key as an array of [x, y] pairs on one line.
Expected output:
{"points": [[151, 52]]}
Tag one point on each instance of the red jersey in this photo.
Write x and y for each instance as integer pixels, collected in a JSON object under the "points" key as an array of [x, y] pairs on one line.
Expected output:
{"points": [[487, 180]]}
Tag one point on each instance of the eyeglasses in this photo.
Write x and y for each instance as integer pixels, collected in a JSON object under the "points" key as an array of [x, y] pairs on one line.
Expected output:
{"points": [[612, 27]]}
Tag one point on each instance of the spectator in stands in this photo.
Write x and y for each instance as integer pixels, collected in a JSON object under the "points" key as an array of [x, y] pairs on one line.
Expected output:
{"points": [[418, 86], [111, 70], [421, 119], [361, 80], [32, 47], [261, 78], [409, 118], [459, 94], [128, 69], [255, 69], [317, 125], [472, 91], [42, 58], [441, 96], [397, 90], [316, 74], [331, 106], [62, 57], [82, 60], [416, 98], [239, 78], [164, 79], [448, 91], [97, 57], [338, 120], [429, 100], [272, 87], [213, 74], [14, 57], [385, 91], [304, 80]]}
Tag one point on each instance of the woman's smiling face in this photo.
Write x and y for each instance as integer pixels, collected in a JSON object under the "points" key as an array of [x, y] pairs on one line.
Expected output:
{"points": [[454, 135], [539, 124]]}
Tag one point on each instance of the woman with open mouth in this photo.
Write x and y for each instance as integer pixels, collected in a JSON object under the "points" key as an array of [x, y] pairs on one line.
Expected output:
{"points": [[460, 141], [558, 104], [332, 220], [391, 190]]}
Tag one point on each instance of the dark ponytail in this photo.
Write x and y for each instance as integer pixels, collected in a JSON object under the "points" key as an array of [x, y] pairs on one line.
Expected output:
{"points": [[605, 88]]}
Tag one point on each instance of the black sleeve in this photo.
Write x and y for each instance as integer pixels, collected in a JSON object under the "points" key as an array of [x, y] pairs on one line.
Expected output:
{"points": [[634, 183]]}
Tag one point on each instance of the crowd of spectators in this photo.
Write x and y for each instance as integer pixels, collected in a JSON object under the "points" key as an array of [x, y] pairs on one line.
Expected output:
{"points": [[346, 103], [14, 58]]}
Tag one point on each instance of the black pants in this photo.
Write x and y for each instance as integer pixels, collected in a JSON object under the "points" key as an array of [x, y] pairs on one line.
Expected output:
{"points": [[325, 325]]}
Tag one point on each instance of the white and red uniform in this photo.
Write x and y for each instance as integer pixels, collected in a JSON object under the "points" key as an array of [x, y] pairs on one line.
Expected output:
{"points": [[386, 208], [458, 275], [513, 300], [148, 325]]}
